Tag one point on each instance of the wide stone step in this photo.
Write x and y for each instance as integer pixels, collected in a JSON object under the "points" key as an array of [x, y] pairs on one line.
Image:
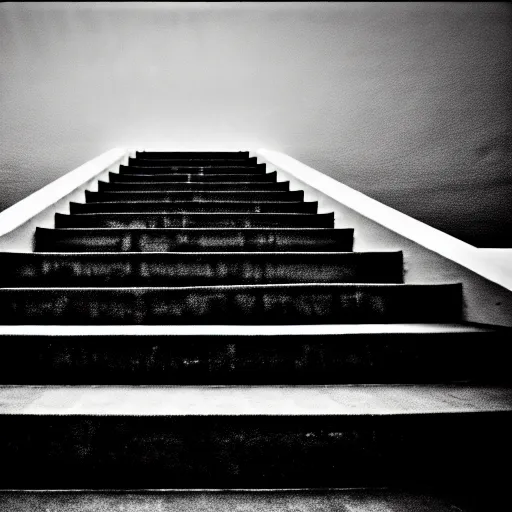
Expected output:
{"points": [[198, 162], [157, 186], [196, 269], [202, 155], [184, 177], [193, 196], [194, 240], [121, 437], [327, 500], [233, 305], [195, 206], [250, 355], [194, 220]]}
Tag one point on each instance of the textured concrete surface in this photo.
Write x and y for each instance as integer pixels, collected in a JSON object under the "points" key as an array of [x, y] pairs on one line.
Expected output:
{"points": [[238, 196], [197, 269], [261, 501], [115, 177], [242, 304], [198, 186], [194, 239], [189, 206], [408, 102], [252, 400], [194, 220], [213, 357], [203, 164]]}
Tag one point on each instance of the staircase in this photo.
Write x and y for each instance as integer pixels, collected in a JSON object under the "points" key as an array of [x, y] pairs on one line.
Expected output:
{"points": [[195, 324]]}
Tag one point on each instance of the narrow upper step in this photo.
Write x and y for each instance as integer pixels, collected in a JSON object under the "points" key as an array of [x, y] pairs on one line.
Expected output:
{"points": [[196, 206], [194, 240], [193, 162], [247, 304], [187, 177], [252, 400], [173, 155], [197, 170], [162, 186], [196, 269], [194, 220], [194, 196]]}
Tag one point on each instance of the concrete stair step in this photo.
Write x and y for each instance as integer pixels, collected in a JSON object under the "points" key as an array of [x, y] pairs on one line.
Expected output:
{"points": [[187, 177], [194, 240], [202, 155], [327, 500], [241, 305], [194, 220], [143, 269], [254, 437], [196, 206], [198, 162], [254, 355], [205, 169], [194, 196], [163, 186]]}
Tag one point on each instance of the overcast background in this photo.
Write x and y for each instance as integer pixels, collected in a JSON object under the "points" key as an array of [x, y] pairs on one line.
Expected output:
{"points": [[408, 103]]}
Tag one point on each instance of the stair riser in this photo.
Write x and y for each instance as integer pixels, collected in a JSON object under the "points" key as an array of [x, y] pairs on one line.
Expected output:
{"points": [[97, 270], [100, 197], [328, 304], [149, 240], [252, 360], [206, 187], [192, 178], [200, 207], [196, 220], [197, 162], [105, 452], [173, 155]]}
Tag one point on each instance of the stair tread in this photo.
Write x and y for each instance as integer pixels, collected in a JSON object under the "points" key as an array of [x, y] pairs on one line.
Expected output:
{"points": [[307, 500], [120, 239], [194, 229], [217, 220], [237, 286], [228, 254], [212, 268], [205, 183], [200, 214], [233, 304], [324, 400]]}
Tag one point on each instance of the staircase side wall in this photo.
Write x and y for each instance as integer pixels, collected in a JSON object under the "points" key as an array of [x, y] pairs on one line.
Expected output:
{"points": [[485, 301], [18, 223]]}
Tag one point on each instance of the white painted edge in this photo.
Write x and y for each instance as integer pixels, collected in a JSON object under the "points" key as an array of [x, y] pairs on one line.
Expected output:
{"points": [[235, 330], [24, 210], [441, 243]]}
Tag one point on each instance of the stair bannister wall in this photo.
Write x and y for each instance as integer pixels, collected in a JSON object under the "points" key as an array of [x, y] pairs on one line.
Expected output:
{"points": [[18, 223], [430, 256]]}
